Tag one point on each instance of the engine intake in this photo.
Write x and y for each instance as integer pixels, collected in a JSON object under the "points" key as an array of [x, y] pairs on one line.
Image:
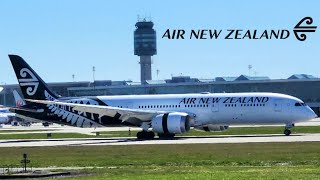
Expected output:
{"points": [[171, 123]]}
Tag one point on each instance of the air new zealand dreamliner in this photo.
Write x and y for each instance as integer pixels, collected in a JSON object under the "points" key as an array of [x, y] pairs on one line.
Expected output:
{"points": [[165, 115]]}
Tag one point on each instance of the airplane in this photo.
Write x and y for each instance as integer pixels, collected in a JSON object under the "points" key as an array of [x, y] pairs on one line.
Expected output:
{"points": [[18, 100], [6, 116], [166, 114]]}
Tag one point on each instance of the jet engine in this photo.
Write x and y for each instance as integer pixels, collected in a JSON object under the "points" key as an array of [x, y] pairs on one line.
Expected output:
{"points": [[3, 119], [171, 123], [212, 127]]}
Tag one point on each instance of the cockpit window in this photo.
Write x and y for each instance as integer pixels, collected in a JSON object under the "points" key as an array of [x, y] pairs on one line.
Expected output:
{"points": [[300, 104]]}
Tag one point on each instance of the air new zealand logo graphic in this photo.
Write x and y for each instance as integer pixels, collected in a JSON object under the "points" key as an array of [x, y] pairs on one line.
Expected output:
{"points": [[299, 28], [31, 82]]}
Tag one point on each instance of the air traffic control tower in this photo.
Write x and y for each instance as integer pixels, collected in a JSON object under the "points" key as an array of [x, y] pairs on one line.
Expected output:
{"points": [[145, 46]]}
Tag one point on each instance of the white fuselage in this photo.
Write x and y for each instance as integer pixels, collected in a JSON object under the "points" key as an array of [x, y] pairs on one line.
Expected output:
{"points": [[5, 115], [222, 108]]}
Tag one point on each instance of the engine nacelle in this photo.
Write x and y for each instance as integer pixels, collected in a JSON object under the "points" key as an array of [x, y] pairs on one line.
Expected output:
{"points": [[171, 123], [212, 127], [3, 119]]}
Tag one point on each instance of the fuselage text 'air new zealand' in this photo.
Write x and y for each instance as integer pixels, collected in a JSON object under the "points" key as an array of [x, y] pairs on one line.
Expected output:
{"points": [[163, 114]]}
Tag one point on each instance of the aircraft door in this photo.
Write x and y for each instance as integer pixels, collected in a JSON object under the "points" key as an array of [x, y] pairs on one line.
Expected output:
{"points": [[215, 107], [277, 105]]}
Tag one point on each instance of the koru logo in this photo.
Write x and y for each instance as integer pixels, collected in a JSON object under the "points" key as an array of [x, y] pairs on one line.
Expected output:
{"points": [[299, 28], [32, 83]]}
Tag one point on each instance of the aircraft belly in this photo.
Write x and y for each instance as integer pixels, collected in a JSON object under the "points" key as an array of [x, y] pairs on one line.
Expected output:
{"points": [[259, 117]]}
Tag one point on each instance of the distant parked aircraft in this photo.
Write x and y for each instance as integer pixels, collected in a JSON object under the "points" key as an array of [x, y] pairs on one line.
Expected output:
{"points": [[6, 116]]}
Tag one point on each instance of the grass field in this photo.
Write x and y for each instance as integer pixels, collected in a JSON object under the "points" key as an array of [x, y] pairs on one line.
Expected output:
{"points": [[205, 172], [192, 161]]}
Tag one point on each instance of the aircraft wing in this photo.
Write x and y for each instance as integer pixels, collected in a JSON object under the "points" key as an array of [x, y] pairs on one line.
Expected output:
{"points": [[123, 113]]}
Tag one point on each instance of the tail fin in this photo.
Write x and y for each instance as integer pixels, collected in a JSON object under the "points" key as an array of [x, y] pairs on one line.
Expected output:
{"points": [[17, 98], [31, 85]]}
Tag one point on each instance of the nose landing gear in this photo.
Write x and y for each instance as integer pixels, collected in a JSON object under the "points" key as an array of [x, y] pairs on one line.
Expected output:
{"points": [[287, 130]]}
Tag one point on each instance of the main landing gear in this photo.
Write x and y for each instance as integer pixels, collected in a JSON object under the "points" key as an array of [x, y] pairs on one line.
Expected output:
{"points": [[150, 135], [145, 135], [166, 136], [287, 130]]}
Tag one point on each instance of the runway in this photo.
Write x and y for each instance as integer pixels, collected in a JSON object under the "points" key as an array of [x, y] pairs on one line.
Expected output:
{"points": [[56, 128], [38, 128], [177, 140]]}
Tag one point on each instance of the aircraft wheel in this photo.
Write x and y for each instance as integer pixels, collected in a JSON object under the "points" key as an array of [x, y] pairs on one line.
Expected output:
{"points": [[287, 132], [150, 134], [140, 135], [145, 135], [166, 136]]}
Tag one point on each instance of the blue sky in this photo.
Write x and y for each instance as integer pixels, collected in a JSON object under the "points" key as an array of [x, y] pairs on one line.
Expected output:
{"points": [[59, 38]]}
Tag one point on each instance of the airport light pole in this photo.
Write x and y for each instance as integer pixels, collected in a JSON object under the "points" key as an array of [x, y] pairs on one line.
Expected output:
{"points": [[249, 67], [158, 71], [3, 90], [93, 74]]}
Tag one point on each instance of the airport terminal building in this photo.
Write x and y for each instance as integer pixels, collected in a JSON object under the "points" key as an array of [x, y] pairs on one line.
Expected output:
{"points": [[303, 86]]}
